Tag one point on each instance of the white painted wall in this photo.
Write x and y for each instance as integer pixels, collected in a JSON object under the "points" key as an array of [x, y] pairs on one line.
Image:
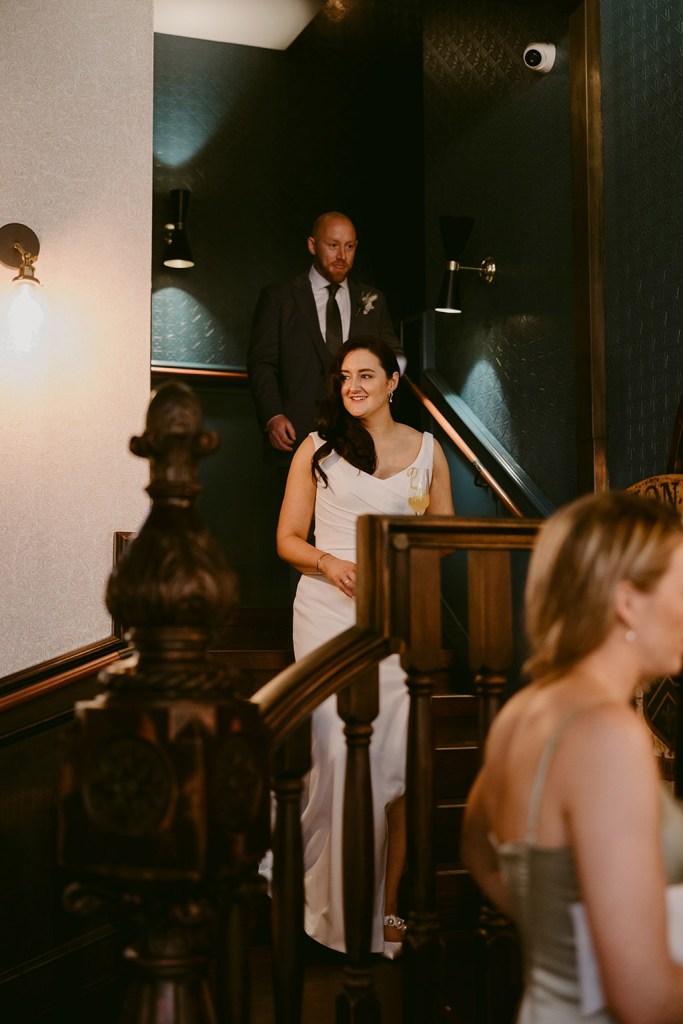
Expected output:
{"points": [[76, 167]]}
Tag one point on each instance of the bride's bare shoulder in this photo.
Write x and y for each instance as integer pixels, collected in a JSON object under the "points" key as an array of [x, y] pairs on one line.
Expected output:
{"points": [[403, 432]]}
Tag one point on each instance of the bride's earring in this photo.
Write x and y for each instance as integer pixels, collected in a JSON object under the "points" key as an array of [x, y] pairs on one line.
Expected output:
{"points": [[630, 635], [391, 397]]}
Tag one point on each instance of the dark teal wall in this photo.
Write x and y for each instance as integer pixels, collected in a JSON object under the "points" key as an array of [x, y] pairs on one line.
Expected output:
{"points": [[398, 114], [266, 141], [497, 149], [239, 505], [642, 66]]}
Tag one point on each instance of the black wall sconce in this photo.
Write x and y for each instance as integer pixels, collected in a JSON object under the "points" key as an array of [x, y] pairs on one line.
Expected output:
{"points": [[449, 300], [19, 248], [455, 233], [178, 254]]}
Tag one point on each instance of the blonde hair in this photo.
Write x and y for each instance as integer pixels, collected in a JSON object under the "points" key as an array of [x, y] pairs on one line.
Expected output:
{"points": [[582, 552]]}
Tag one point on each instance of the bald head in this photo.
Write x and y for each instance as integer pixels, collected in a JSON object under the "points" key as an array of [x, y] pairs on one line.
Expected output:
{"points": [[332, 243]]}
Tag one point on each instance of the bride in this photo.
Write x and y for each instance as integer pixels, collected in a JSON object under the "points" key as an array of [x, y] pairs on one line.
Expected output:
{"points": [[361, 461]]}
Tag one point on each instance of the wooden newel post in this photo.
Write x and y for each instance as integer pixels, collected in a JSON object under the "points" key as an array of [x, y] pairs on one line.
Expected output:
{"points": [[165, 779]]}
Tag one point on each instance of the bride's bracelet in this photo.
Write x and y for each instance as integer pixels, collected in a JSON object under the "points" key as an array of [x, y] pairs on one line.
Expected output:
{"points": [[317, 565]]}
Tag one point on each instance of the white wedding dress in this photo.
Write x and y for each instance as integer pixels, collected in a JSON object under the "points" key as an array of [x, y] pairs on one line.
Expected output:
{"points": [[322, 611]]}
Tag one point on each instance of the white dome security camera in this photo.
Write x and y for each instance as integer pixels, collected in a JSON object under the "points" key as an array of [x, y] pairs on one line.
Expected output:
{"points": [[540, 57]]}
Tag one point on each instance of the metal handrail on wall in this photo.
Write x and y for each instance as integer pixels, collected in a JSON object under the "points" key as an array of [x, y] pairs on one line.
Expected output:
{"points": [[463, 447], [447, 427]]}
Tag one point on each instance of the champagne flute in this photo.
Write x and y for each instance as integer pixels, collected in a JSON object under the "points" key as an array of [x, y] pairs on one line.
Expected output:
{"points": [[418, 498]]}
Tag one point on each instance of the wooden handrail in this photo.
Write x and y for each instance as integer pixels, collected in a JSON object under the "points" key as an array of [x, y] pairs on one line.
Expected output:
{"points": [[290, 697], [462, 446], [384, 545], [398, 608], [190, 371]]}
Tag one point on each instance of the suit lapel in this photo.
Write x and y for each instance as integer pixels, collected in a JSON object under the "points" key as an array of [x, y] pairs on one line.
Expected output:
{"points": [[358, 291], [303, 294]]}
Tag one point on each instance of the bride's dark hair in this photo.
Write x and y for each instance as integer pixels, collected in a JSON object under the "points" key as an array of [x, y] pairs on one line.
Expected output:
{"points": [[341, 432]]}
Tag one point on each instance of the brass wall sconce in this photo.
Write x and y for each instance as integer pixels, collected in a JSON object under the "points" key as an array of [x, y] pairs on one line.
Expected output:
{"points": [[178, 254], [19, 249], [449, 300]]}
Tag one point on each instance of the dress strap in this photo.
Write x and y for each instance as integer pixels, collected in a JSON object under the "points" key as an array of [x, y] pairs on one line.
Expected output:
{"points": [[426, 454], [547, 753]]}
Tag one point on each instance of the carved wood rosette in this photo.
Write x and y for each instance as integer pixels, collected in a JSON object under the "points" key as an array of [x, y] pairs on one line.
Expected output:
{"points": [[659, 702], [164, 785]]}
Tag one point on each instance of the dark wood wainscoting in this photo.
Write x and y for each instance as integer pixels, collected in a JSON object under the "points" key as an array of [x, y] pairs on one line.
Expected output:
{"points": [[54, 966]]}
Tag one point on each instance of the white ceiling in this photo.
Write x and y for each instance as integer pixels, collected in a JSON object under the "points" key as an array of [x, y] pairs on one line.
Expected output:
{"points": [[272, 24]]}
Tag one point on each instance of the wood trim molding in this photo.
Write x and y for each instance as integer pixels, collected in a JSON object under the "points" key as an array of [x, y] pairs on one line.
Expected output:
{"points": [[588, 231], [59, 672], [194, 372]]}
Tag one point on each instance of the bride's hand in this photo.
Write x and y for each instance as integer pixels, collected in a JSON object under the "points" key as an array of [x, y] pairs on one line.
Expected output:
{"points": [[341, 573]]}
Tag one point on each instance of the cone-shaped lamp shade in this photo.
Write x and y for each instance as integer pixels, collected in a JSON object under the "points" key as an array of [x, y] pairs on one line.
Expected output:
{"points": [[455, 234], [448, 300], [178, 254]]}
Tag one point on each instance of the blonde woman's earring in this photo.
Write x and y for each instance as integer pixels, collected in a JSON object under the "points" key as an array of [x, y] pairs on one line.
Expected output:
{"points": [[630, 635]]}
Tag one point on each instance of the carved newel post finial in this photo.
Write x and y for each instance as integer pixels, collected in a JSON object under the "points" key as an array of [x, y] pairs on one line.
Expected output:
{"points": [[174, 586], [164, 788]]}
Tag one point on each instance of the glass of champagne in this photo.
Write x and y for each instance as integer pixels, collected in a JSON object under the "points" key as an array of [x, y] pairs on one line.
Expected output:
{"points": [[418, 498]]}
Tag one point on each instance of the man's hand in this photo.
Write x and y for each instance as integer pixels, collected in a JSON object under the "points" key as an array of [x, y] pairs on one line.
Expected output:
{"points": [[281, 433]]}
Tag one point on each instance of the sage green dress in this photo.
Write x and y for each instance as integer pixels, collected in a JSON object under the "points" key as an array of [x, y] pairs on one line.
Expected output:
{"points": [[542, 882]]}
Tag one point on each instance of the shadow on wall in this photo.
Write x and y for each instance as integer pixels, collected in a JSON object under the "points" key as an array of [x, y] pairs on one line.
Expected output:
{"points": [[254, 134], [238, 504]]}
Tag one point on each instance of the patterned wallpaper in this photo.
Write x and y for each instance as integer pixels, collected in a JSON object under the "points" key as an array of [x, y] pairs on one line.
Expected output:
{"points": [[266, 140], [497, 150], [642, 55], [440, 116], [75, 166]]}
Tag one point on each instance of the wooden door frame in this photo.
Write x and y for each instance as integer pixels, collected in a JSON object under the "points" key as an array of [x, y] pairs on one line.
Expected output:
{"points": [[588, 237]]}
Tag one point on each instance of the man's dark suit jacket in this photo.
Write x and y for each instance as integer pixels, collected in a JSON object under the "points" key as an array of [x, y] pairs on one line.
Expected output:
{"points": [[288, 359]]}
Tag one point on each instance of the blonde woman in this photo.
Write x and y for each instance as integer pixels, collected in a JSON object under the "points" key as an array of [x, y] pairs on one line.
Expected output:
{"points": [[568, 806]]}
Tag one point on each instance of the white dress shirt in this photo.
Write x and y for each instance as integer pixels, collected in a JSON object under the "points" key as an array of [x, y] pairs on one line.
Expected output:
{"points": [[321, 295]]}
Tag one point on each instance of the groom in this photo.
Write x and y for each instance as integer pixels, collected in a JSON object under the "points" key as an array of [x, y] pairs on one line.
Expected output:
{"points": [[297, 328]]}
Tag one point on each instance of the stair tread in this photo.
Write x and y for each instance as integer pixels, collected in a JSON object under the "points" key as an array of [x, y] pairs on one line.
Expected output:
{"points": [[461, 703], [462, 745]]}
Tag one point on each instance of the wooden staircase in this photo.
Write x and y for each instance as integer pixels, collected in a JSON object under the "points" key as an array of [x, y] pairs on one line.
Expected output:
{"points": [[457, 759], [256, 644]]}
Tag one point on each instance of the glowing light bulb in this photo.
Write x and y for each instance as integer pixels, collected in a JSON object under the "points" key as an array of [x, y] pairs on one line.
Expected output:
{"points": [[25, 317]]}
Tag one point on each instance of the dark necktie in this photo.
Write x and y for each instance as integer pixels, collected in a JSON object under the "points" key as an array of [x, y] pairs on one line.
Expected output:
{"points": [[333, 324]]}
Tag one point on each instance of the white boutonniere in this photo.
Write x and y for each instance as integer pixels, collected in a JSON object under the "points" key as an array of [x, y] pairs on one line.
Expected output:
{"points": [[367, 302]]}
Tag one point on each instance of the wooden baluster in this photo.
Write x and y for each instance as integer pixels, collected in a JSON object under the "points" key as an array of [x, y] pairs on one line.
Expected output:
{"points": [[491, 654], [422, 948], [292, 761], [490, 629], [358, 706], [233, 977]]}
